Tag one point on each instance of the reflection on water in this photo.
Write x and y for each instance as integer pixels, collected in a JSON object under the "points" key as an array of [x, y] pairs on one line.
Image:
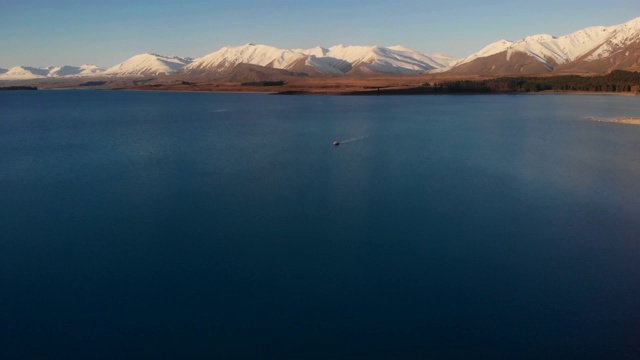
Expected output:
{"points": [[226, 226]]}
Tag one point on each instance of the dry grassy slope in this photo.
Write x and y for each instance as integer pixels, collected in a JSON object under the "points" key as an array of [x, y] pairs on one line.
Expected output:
{"points": [[497, 64], [247, 72]]}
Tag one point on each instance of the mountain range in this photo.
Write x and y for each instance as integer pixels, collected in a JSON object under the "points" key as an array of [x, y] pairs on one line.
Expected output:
{"points": [[28, 72], [597, 49]]}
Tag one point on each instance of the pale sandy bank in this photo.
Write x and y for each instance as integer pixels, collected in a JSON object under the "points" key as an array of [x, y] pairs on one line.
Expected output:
{"points": [[625, 120]]}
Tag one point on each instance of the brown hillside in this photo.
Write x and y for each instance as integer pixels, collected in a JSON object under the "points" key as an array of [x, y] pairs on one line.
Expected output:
{"points": [[251, 73], [497, 64]]}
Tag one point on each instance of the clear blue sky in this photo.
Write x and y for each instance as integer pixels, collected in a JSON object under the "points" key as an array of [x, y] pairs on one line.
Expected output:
{"points": [[106, 32]]}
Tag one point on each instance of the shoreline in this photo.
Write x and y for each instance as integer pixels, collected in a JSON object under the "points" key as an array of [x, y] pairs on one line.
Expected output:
{"points": [[407, 91], [629, 120], [627, 84], [619, 120], [340, 89], [353, 86]]}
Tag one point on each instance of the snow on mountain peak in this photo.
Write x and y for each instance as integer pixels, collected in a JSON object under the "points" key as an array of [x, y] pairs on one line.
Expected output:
{"points": [[616, 37], [491, 49], [356, 55], [436, 61], [28, 72], [586, 45], [24, 73], [148, 64], [633, 23], [399, 48], [536, 38], [337, 59], [65, 70], [393, 59], [596, 42], [317, 51], [230, 56], [90, 70]]}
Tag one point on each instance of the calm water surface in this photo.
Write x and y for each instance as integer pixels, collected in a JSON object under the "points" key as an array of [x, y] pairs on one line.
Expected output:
{"points": [[226, 226]]}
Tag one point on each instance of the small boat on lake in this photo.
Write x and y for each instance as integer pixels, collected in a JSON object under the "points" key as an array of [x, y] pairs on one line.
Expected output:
{"points": [[335, 143]]}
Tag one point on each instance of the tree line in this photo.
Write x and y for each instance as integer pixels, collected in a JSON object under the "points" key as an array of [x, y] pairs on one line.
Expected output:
{"points": [[616, 81]]}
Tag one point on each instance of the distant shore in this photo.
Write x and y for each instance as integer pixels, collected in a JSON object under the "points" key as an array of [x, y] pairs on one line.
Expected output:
{"points": [[633, 121], [622, 120], [616, 83], [628, 120], [11, 88]]}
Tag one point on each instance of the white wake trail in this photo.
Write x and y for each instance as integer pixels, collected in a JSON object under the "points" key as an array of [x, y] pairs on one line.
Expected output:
{"points": [[354, 139]]}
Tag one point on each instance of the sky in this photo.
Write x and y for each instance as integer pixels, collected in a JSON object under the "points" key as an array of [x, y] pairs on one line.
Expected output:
{"points": [[106, 32]]}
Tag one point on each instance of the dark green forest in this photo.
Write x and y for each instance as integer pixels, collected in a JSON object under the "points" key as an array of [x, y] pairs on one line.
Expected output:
{"points": [[616, 81]]}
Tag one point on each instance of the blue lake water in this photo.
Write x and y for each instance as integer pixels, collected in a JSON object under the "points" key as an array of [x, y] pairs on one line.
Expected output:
{"points": [[225, 226]]}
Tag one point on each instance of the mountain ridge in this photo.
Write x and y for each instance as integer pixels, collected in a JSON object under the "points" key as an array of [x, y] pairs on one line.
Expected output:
{"points": [[338, 59], [568, 52], [64, 71], [595, 49], [148, 64]]}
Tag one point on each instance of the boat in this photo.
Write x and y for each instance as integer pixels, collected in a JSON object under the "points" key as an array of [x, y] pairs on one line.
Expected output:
{"points": [[335, 143]]}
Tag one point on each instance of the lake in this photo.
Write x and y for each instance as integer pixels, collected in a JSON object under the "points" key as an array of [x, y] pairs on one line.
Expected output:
{"points": [[226, 226]]}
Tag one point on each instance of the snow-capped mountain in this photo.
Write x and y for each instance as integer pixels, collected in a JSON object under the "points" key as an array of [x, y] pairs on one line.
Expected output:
{"points": [[545, 53], [24, 73], [595, 49], [148, 65], [28, 72], [615, 37], [90, 70], [66, 70], [329, 65], [228, 57], [139, 65], [395, 59], [437, 60], [338, 59], [491, 49]]}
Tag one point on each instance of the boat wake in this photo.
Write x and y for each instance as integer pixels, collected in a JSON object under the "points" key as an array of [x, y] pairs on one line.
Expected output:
{"points": [[354, 139]]}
